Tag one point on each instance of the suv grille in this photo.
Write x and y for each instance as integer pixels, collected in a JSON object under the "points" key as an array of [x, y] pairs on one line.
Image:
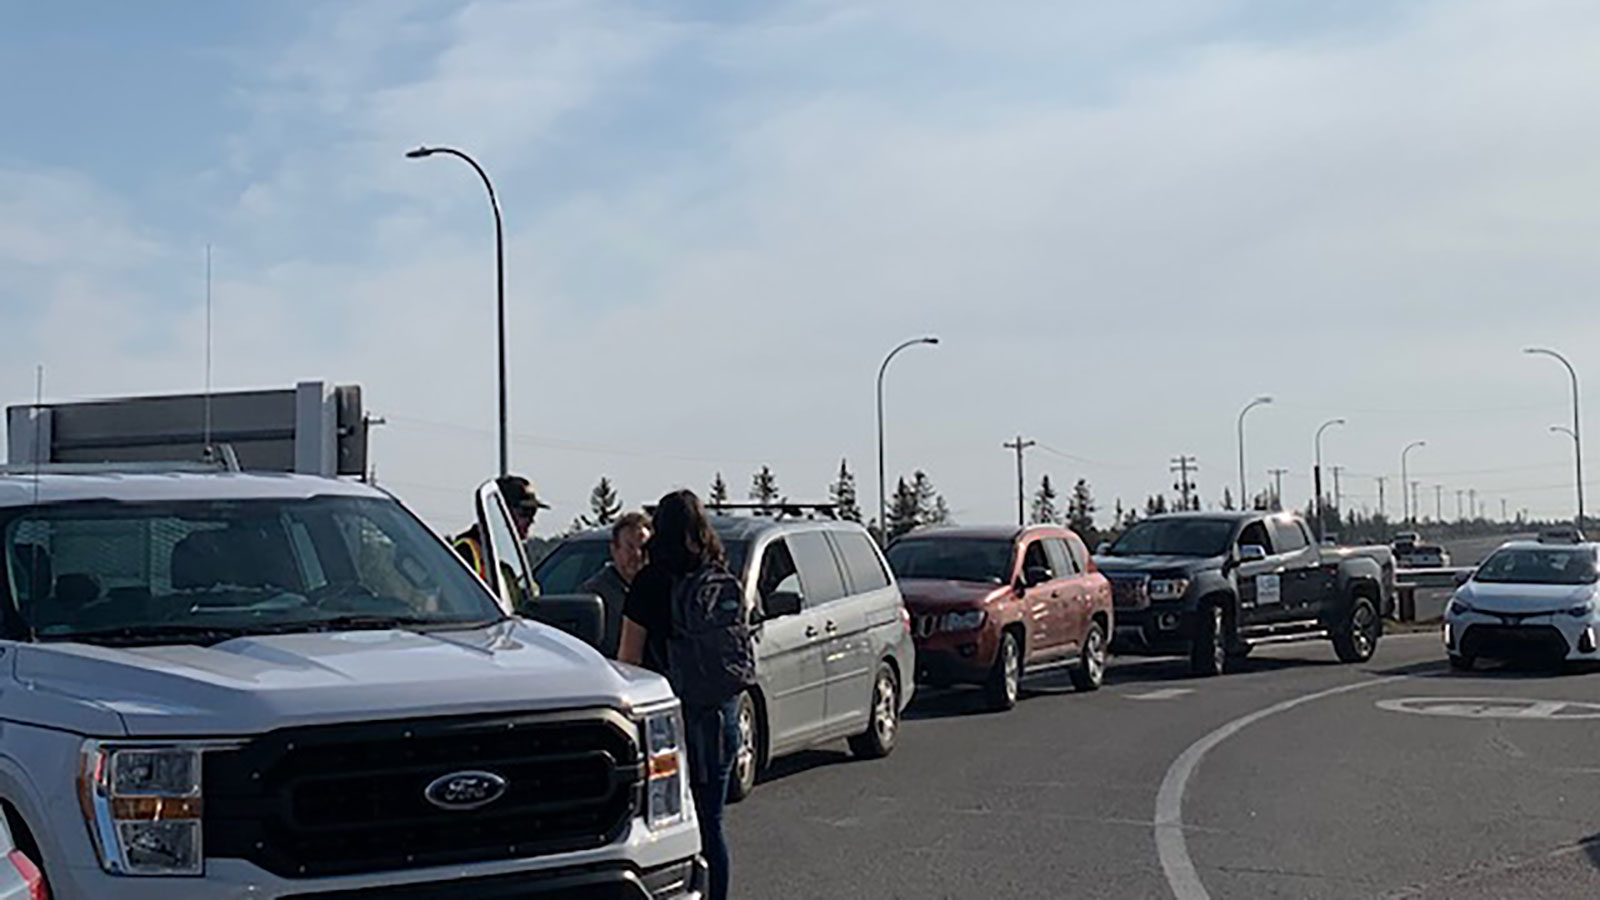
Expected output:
{"points": [[347, 799], [1130, 592]]}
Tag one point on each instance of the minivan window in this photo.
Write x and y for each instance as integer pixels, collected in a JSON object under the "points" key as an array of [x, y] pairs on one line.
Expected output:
{"points": [[861, 561], [210, 570], [819, 569]]}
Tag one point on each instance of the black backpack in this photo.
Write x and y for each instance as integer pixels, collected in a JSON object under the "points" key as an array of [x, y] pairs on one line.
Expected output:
{"points": [[711, 655]]}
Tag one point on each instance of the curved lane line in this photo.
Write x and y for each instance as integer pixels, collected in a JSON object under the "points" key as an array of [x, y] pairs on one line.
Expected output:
{"points": [[1171, 845]]}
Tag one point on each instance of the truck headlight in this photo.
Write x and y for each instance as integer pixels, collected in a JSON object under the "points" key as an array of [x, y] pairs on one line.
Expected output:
{"points": [[143, 807], [1168, 588], [964, 621], [666, 798]]}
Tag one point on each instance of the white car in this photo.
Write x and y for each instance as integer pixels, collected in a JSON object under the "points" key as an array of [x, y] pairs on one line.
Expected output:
{"points": [[1527, 599]]}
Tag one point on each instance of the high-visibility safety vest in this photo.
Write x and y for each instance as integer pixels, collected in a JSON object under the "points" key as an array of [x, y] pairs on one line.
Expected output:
{"points": [[467, 545]]}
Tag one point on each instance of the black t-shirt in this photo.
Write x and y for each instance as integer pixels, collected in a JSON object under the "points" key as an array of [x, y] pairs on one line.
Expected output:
{"points": [[649, 605]]}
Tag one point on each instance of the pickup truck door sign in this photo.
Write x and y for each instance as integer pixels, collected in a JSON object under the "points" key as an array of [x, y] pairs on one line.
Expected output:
{"points": [[1269, 589]]}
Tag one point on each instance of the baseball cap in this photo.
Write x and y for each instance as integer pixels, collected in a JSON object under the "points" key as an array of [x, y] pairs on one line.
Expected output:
{"points": [[520, 494]]}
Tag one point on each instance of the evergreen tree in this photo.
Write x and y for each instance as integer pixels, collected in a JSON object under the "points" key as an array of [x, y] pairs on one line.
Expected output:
{"points": [[1080, 511], [1044, 503], [931, 508], [719, 491], [941, 512], [1227, 498], [843, 494], [1155, 506], [904, 510], [603, 504], [1121, 518], [764, 487]]}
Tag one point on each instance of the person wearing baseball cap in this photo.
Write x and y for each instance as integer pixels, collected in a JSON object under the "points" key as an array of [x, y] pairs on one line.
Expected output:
{"points": [[522, 500]]}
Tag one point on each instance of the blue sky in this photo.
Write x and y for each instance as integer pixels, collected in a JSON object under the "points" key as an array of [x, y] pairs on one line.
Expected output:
{"points": [[1124, 220]]}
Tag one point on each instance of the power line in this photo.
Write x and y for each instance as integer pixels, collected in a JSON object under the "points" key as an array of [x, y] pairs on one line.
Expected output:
{"points": [[1183, 465]]}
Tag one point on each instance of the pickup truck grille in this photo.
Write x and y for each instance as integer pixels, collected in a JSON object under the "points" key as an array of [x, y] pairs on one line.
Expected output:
{"points": [[349, 799], [1130, 592]]}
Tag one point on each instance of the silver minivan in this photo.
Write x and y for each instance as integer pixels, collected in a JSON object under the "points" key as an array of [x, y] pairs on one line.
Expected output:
{"points": [[834, 652]]}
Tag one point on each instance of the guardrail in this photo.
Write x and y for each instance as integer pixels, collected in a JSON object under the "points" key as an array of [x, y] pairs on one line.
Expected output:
{"points": [[1409, 581]]}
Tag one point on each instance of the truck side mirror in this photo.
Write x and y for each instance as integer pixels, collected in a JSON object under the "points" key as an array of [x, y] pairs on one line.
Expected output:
{"points": [[1249, 553], [581, 615], [783, 603]]}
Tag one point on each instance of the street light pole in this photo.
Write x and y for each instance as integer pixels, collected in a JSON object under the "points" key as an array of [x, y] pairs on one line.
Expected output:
{"points": [[1577, 427], [883, 502], [1316, 473], [500, 286], [1405, 479], [1244, 497]]}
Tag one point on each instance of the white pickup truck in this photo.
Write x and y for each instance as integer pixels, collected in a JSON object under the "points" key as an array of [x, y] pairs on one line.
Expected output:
{"points": [[224, 685]]}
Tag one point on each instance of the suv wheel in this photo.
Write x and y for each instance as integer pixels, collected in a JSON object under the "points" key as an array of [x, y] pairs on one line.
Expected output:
{"points": [[1091, 670], [1357, 639], [884, 722], [1208, 649], [747, 759], [1005, 679]]}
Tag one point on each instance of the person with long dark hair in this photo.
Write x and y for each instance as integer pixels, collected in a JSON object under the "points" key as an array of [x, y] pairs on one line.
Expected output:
{"points": [[684, 617]]}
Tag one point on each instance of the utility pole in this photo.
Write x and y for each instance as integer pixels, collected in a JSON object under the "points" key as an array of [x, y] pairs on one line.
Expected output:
{"points": [[1414, 507], [1182, 465], [1502, 509], [1459, 494], [1472, 497], [1438, 503], [1338, 495], [1381, 480], [1277, 486], [1020, 445]]}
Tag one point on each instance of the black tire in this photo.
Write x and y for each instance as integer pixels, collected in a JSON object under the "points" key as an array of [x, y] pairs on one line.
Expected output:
{"points": [[1357, 638], [1462, 663], [1208, 648], [883, 725], [1091, 669], [1005, 678], [747, 759]]}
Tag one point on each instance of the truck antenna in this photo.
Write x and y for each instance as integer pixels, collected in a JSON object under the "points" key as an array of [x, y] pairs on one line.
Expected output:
{"points": [[206, 450]]}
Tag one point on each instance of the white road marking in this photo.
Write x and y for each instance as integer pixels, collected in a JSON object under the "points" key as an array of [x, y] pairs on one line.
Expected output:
{"points": [[1163, 694], [1171, 845], [1492, 708]]}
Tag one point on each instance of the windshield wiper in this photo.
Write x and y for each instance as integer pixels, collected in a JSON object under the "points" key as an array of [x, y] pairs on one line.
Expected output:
{"points": [[152, 634], [362, 621]]}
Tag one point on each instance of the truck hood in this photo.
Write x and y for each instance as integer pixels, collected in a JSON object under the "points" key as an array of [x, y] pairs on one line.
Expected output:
{"points": [[926, 595], [1112, 566], [1524, 598], [254, 684]]}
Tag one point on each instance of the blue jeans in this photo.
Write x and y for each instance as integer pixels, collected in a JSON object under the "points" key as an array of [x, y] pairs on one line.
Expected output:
{"points": [[712, 735]]}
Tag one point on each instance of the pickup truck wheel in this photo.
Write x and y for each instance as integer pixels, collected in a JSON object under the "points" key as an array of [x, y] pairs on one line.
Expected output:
{"points": [[1357, 639], [1091, 670], [884, 724], [1208, 649], [747, 759], [1005, 679]]}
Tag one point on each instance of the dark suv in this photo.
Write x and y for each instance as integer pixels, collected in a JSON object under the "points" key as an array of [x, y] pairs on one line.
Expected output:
{"points": [[988, 604]]}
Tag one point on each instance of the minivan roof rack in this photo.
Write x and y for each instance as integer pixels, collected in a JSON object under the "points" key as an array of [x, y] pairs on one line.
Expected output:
{"points": [[783, 509]]}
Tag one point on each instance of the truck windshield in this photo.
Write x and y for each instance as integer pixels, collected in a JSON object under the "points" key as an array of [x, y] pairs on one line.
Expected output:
{"points": [[1174, 537], [952, 559], [1520, 565], [205, 571]]}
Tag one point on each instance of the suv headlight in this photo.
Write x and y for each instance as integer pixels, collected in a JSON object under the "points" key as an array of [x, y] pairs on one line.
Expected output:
{"points": [[143, 807], [666, 795], [1168, 588], [964, 621]]}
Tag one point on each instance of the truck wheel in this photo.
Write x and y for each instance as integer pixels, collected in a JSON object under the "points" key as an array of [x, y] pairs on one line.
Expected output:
{"points": [[747, 759], [1005, 679], [884, 723], [1357, 639], [1208, 649], [1091, 670]]}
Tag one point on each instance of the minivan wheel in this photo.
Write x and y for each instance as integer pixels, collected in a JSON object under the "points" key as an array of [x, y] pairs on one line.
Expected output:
{"points": [[1357, 639], [1091, 670], [884, 722], [1208, 650], [747, 759], [1005, 679]]}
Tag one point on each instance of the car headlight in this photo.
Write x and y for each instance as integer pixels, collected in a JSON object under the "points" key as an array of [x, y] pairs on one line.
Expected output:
{"points": [[1168, 588], [964, 621], [1459, 607], [1581, 611], [666, 800], [143, 806]]}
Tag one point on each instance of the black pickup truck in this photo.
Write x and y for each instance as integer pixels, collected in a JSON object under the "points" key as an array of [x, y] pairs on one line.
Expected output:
{"points": [[1213, 585]]}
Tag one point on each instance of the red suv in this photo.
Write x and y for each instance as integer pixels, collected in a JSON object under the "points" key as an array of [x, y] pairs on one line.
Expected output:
{"points": [[989, 603]]}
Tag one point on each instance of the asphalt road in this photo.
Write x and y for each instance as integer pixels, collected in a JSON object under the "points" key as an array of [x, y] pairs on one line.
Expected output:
{"points": [[1394, 779]]}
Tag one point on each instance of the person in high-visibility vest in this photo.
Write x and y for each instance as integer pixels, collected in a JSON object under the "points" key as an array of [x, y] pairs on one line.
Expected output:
{"points": [[522, 499]]}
